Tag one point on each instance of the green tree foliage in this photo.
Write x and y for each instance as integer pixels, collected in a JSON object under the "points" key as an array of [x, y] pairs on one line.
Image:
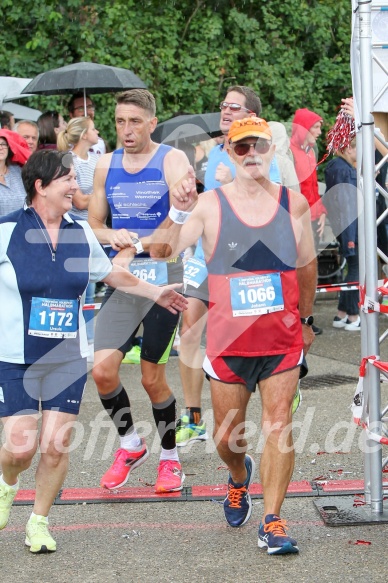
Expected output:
{"points": [[294, 53]]}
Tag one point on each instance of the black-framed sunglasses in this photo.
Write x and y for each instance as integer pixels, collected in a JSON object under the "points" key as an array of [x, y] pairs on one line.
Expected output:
{"points": [[82, 109], [261, 146], [233, 107]]}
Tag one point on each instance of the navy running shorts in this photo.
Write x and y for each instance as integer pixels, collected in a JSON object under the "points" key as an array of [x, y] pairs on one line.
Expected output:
{"points": [[25, 388]]}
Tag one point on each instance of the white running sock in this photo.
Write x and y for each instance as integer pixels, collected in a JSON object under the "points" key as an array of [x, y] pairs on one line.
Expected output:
{"points": [[15, 486], [131, 441], [169, 454], [39, 516]]}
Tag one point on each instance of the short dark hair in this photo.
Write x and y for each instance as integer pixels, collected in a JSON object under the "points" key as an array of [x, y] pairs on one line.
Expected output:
{"points": [[44, 165], [140, 97], [5, 119], [252, 100], [46, 124], [79, 95], [9, 157]]}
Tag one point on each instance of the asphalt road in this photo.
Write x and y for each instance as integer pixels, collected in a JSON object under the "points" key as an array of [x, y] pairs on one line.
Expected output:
{"points": [[171, 541]]}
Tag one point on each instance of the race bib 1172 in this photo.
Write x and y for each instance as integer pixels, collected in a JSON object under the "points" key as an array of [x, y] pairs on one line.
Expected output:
{"points": [[53, 318]]}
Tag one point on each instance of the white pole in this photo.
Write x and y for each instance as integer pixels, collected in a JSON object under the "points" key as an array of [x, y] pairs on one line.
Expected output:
{"points": [[372, 384]]}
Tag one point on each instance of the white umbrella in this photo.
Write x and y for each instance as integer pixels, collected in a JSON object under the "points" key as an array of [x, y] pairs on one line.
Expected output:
{"points": [[11, 88], [22, 112]]}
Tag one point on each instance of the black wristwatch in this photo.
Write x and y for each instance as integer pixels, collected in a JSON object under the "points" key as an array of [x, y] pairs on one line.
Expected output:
{"points": [[309, 321]]}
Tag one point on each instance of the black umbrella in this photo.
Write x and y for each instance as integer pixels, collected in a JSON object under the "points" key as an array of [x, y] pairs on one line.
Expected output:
{"points": [[86, 77], [189, 128]]}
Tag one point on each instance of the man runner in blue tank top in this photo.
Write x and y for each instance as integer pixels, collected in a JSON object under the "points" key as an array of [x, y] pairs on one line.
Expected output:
{"points": [[259, 251], [134, 182]]}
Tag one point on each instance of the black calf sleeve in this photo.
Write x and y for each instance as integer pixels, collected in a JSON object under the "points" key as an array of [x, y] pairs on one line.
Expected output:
{"points": [[117, 405], [165, 418]]}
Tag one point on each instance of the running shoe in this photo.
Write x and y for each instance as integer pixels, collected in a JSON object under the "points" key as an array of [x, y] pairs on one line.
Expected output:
{"points": [[170, 476], [133, 356], [238, 503], [7, 495], [38, 537], [273, 537], [187, 432], [297, 399], [125, 462]]}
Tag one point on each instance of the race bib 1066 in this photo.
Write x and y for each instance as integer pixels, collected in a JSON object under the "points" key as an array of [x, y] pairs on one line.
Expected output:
{"points": [[53, 318], [254, 295], [149, 270]]}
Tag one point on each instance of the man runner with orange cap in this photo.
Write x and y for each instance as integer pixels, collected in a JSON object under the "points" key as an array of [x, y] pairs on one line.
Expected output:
{"points": [[260, 256]]}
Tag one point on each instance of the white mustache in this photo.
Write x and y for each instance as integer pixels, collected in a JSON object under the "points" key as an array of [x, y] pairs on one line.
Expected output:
{"points": [[253, 160]]}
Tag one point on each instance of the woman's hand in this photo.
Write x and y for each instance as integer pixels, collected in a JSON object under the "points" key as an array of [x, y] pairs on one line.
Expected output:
{"points": [[168, 298], [348, 105]]}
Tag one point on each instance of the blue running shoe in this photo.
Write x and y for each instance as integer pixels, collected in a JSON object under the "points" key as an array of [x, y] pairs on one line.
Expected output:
{"points": [[238, 504], [272, 536]]}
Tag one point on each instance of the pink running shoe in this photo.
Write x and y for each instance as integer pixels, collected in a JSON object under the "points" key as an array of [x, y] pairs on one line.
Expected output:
{"points": [[170, 476], [125, 462]]}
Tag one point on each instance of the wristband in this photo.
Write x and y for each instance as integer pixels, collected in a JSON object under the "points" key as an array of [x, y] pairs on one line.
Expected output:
{"points": [[138, 245], [178, 217]]}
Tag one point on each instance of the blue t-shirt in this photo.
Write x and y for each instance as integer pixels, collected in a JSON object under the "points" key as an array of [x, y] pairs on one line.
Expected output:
{"points": [[217, 155]]}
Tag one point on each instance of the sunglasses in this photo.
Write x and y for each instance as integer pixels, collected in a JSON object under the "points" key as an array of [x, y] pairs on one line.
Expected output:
{"points": [[233, 107], [261, 146], [81, 108]]}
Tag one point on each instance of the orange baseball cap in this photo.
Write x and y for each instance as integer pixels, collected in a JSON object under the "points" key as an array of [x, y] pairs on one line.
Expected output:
{"points": [[249, 127]]}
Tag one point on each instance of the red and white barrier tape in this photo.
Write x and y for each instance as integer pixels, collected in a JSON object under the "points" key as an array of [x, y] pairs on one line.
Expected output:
{"points": [[324, 289], [358, 406]]}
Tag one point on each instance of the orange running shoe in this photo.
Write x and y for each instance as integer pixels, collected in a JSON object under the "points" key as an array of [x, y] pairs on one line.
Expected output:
{"points": [[170, 476], [125, 462]]}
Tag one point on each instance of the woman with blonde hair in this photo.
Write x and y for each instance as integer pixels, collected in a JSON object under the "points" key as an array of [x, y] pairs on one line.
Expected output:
{"points": [[79, 136]]}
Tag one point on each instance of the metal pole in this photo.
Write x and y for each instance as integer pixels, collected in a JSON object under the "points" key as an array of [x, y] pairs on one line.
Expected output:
{"points": [[355, 52], [372, 380]]}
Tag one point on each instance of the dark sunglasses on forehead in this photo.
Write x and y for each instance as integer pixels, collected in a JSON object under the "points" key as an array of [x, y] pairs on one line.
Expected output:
{"points": [[261, 146], [233, 107]]}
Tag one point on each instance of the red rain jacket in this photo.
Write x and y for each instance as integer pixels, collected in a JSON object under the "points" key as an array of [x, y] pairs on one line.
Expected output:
{"points": [[305, 161], [18, 146]]}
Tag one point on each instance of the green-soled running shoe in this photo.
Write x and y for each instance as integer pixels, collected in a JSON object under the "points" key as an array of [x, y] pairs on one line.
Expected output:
{"points": [[38, 537], [297, 399], [187, 432], [133, 356]]}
